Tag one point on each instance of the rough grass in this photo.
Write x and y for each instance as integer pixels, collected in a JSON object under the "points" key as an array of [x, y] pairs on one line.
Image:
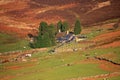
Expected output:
{"points": [[52, 67], [58, 66], [62, 73], [73, 45], [11, 43], [102, 51], [93, 34], [114, 78]]}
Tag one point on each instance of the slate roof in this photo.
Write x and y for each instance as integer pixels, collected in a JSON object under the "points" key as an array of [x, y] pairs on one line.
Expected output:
{"points": [[66, 38]]}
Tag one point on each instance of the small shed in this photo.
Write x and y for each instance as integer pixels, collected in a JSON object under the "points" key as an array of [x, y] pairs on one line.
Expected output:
{"points": [[80, 38]]}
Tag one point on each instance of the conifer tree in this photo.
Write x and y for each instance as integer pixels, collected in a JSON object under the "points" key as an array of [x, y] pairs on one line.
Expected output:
{"points": [[62, 26], [52, 32], [77, 28], [46, 36], [65, 26], [59, 26]]}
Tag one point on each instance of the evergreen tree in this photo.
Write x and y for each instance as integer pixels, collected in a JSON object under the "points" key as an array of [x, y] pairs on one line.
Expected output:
{"points": [[42, 28], [52, 32], [77, 28], [46, 36], [59, 26], [62, 26], [65, 26]]}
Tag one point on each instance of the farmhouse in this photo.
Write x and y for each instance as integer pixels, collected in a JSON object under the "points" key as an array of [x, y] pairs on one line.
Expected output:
{"points": [[67, 38]]}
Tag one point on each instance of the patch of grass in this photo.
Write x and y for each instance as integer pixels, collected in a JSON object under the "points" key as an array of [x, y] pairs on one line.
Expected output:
{"points": [[114, 78], [11, 43], [53, 67], [72, 45], [64, 72], [100, 52], [93, 34]]}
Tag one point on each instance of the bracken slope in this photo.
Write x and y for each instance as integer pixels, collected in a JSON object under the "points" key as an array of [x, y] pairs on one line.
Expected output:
{"points": [[23, 16]]}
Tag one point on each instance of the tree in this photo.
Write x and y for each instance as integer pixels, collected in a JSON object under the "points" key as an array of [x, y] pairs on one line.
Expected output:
{"points": [[52, 32], [62, 26], [65, 26], [43, 41], [42, 28], [77, 28], [59, 26], [46, 36]]}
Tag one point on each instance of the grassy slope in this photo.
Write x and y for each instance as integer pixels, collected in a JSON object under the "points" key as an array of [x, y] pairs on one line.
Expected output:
{"points": [[53, 67], [10, 43], [115, 78], [101, 52]]}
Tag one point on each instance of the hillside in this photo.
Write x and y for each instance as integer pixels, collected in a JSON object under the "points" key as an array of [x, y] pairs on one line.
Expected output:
{"points": [[23, 16], [95, 58], [92, 55]]}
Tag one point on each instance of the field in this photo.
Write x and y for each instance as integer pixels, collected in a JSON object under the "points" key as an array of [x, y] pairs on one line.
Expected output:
{"points": [[64, 66], [43, 66], [11, 43], [96, 58]]}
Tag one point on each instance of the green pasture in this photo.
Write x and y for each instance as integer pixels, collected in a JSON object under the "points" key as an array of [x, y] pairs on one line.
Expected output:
{"points": [[52, 67], [11, 43], [101, 51]]}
